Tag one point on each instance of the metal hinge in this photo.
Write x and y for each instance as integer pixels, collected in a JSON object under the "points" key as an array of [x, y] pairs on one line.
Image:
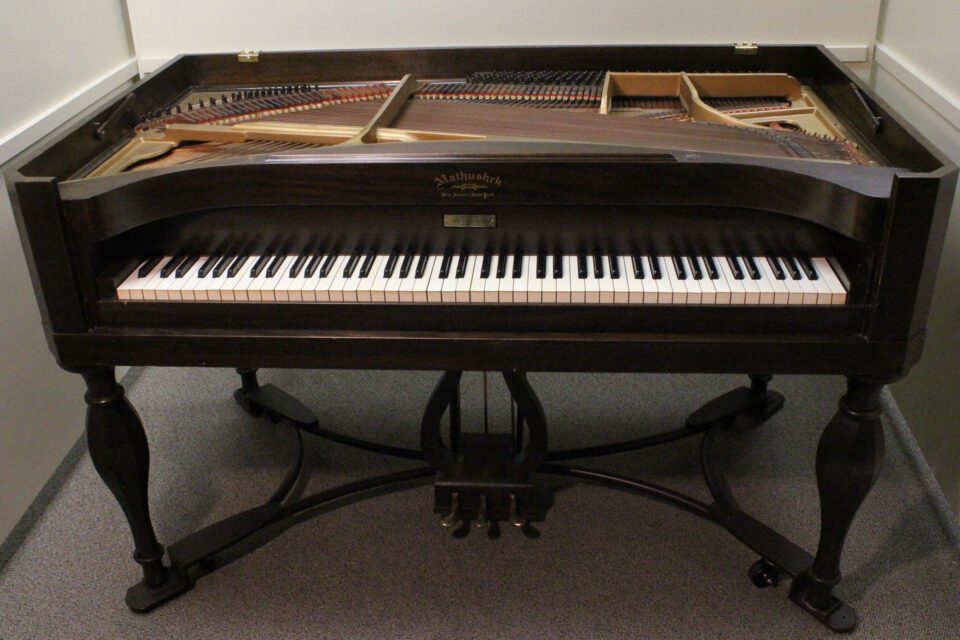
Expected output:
{"points": [[745, 48], [248, 55]]}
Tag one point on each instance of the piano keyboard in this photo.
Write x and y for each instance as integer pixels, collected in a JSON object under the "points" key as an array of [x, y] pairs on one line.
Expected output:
{"points": [[488, 278]]}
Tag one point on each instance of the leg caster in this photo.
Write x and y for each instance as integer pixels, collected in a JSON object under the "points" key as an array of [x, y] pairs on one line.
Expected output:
{"points": [[849, 458], [765, 574], [118, 448], [275, 403]]}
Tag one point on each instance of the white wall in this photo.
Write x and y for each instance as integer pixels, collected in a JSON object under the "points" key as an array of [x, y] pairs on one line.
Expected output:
{"points": [[56, 57], [847, 25], [918, 72]]}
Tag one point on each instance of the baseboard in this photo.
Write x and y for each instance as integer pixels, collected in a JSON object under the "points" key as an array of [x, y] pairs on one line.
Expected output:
{"points": [[931, 92], [40, 125]]}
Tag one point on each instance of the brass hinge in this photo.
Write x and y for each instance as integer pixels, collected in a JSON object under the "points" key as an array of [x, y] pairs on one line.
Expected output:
{"points": [[745, 48], [248, 55]]}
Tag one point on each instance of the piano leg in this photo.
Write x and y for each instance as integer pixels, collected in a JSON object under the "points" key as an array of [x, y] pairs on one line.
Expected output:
{"points": [[118, 448], [275, 403], [849, 458], [755, 404]]}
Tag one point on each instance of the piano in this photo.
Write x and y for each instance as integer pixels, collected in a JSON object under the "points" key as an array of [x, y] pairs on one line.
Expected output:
{"points": [[684, 209]]}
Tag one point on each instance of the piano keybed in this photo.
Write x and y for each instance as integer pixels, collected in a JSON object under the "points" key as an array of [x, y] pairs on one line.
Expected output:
{"points": [[462, 277]]}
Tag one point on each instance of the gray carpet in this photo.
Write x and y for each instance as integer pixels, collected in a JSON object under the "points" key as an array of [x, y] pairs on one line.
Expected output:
{"points": [[608, 565]]}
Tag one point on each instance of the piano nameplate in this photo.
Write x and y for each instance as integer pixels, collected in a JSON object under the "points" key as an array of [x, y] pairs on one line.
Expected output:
{"points": [[470, 221]]}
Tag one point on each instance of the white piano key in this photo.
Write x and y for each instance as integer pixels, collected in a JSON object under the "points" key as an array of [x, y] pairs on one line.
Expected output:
{"points": [[420, 285], [605, 284], [764, 285], [635, 286], [290, 288], [330, 288], [722, 287], [477, 283], [548, 288], [578, 285], [364, 287], [750, 287], [462, 291], [435, 285], [781, 291], [408, 285], [825, 271], [534, 284], [621, 288], [269, 291], [392, 290], [678, 290], [737, 292], [491, 285], [132, 288], [708, 289], [591, 285], [663, 283], [505, 287], [187, 290], [822, 288], [694, 293], [563, 284], [519, 285], [352, 282], [378, 287], [809, 290]]}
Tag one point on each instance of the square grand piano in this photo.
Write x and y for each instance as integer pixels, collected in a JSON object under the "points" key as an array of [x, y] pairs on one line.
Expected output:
{"points": [[593, 209]]}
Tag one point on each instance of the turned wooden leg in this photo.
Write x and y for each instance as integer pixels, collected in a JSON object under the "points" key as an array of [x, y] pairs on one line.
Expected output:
{"points": [[118, 448], [849, 458]]}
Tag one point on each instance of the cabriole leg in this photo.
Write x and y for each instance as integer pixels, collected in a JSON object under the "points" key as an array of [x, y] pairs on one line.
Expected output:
{"points": [[849, 458], [118, 448]]}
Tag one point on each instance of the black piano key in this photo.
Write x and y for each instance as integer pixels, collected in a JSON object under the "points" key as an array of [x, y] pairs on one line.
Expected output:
{"points": [[259, 265], [171, 265], [186, 265], [148, 266], [275, 265], [792, 267], [638, 271], [207, 265], [405, 265], [582, 266], [557, 266], [502, 265], [222, 265], [445, 263], [808, 268], [422, 265], [518, 264], [541, 265], [752, 267], [391, 265], [367, 265], [695, 268], [313, 265], [462, 264], [328, 265], [614, 267], [352, 263], [235, 265], [735, 267], [777, 269], [597, 266], [678, 265], [485, 265], [655, 270], [712, 270], [298, 264]]}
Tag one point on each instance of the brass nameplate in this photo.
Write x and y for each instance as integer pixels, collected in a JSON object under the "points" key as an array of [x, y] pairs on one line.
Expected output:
{"points": [[474, 221]]}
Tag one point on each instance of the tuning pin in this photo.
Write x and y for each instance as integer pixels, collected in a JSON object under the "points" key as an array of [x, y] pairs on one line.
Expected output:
{"points": [[482, 520], [451, 518], [515, 520]]}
